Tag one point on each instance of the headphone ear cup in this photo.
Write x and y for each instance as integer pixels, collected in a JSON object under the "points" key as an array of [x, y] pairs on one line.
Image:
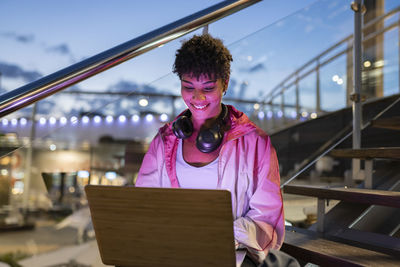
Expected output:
{"points": [[182, 127], [210, 139]]}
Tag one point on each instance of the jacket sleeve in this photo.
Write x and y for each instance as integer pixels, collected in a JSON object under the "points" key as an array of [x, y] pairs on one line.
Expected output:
{"points": [[262, 227], [150, 171]]}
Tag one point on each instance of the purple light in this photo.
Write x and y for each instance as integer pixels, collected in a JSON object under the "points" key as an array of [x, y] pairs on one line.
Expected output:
{"points": [[293, 114], [122, 118], [109, 119], [149, 117], [63, 120], [164, 117], [97, 119], [270, 114], [4, 122], [14, 122], [23, 121], [279, 114], [85, 119], [135, 118], [42, 121], [261, 115], [52, 120]]}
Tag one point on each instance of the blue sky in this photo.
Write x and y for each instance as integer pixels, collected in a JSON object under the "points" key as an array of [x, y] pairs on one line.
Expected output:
{"points": [[268, 40]]}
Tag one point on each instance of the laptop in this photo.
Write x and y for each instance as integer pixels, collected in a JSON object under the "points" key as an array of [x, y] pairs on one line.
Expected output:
{"points": [[138, 226]]}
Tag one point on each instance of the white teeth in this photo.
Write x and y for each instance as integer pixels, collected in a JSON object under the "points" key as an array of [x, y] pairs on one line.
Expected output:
{"points": [[199, 107]]}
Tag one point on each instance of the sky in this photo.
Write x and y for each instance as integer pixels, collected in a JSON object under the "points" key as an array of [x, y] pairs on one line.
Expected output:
{"points": [[268, 41]]}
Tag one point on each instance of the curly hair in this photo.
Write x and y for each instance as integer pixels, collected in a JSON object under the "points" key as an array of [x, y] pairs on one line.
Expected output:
{"points": [[203, 54]]}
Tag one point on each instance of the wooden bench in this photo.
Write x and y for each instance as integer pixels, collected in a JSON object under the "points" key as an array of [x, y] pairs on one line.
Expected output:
{"points": [[368, 154], [308, 246], [357, 195], [387, 123]]}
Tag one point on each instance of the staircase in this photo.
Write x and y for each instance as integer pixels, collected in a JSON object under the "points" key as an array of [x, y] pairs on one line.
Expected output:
{"points": [[363, 229]]}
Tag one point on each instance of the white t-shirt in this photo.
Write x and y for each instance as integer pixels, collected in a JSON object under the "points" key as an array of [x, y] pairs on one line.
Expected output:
{"points": [[205, 177]]}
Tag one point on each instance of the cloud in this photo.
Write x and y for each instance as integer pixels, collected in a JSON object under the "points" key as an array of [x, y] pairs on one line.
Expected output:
{"points": [[15, 72], [28, 38], [62, 49]]}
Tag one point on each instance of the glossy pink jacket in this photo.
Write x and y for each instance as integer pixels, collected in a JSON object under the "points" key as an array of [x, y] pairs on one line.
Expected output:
{"points": [[247, 167]]}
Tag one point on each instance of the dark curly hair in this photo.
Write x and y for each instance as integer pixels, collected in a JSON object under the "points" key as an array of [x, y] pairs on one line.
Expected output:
{"points": [[203, 54]]}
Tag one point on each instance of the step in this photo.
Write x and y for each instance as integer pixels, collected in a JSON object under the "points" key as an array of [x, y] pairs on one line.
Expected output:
{"points": [[308, 246], [367, 153], [357, 195], [387, 123]]}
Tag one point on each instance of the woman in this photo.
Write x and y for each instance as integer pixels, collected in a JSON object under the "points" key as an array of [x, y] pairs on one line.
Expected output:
{"points": [[213, 146]]}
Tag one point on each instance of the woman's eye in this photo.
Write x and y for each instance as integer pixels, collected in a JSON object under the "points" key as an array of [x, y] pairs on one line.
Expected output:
{"points": [[188, 88], [209, 88]]}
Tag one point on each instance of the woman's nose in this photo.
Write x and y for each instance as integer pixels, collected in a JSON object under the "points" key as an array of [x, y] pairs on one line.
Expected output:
{"points": [[197, 94]]}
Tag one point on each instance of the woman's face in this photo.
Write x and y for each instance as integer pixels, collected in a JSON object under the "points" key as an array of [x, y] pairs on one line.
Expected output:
{"points": [[202, 95]]}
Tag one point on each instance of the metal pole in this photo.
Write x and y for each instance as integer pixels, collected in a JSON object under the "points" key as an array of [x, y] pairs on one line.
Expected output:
{"points": [[356, 96], [297, 99], [318, 89], [28, 164]]}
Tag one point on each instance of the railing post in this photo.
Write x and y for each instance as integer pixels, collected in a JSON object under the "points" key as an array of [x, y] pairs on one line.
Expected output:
{"points": [[297, 98], [283, 119], [356, 96], [318, 90]]}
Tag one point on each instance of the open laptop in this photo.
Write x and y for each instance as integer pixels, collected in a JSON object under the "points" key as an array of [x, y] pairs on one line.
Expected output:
{"points": [[162, 226]]}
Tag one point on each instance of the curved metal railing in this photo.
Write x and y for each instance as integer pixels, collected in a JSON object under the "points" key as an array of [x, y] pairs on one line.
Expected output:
{"points": [[53, 83], [314, 65]]}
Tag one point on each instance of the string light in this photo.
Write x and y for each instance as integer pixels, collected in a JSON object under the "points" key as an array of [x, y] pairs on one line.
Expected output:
{"points": [[122, 118]]}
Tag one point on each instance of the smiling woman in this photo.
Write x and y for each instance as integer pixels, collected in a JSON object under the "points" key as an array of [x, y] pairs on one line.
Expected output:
{"points": [[215, 146]]}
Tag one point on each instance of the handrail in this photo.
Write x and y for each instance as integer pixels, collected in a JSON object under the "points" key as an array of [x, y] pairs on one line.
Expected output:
{"points": [[282, 85], [48, 85]]}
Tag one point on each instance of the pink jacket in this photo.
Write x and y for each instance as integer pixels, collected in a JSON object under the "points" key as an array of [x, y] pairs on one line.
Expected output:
{"points": [[247, 167]]}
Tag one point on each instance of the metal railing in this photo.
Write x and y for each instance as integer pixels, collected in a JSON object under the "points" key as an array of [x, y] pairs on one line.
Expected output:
{"points": [[53, 83], [315, 64]]}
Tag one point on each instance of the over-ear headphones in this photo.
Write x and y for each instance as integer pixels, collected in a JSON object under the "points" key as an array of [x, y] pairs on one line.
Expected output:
{"points": [[208, 139]]}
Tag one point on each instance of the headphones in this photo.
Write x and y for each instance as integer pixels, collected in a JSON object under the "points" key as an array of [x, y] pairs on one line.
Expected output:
{"points": [[208, 139]]}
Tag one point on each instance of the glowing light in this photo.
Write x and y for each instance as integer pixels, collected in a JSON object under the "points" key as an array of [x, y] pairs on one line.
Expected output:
{"points": [[149, 117], [73, 119], [109, 119], [249, 58], [14, 122], [23, 121], [335, 78], [143, 102], [270, 114], [52, 120], [85, 119], [279, 114], [261, 115], [63, 120], [256, 106], [83, 174], [110, 175], [340, 81], [313, 115], [164, 117], [293, 114], [97, 119], [53, 147], [4, 172], [4, 122], [135, 118], [42, 121], [122, 118], [304, 114], [379, 63], [367, 63]]}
